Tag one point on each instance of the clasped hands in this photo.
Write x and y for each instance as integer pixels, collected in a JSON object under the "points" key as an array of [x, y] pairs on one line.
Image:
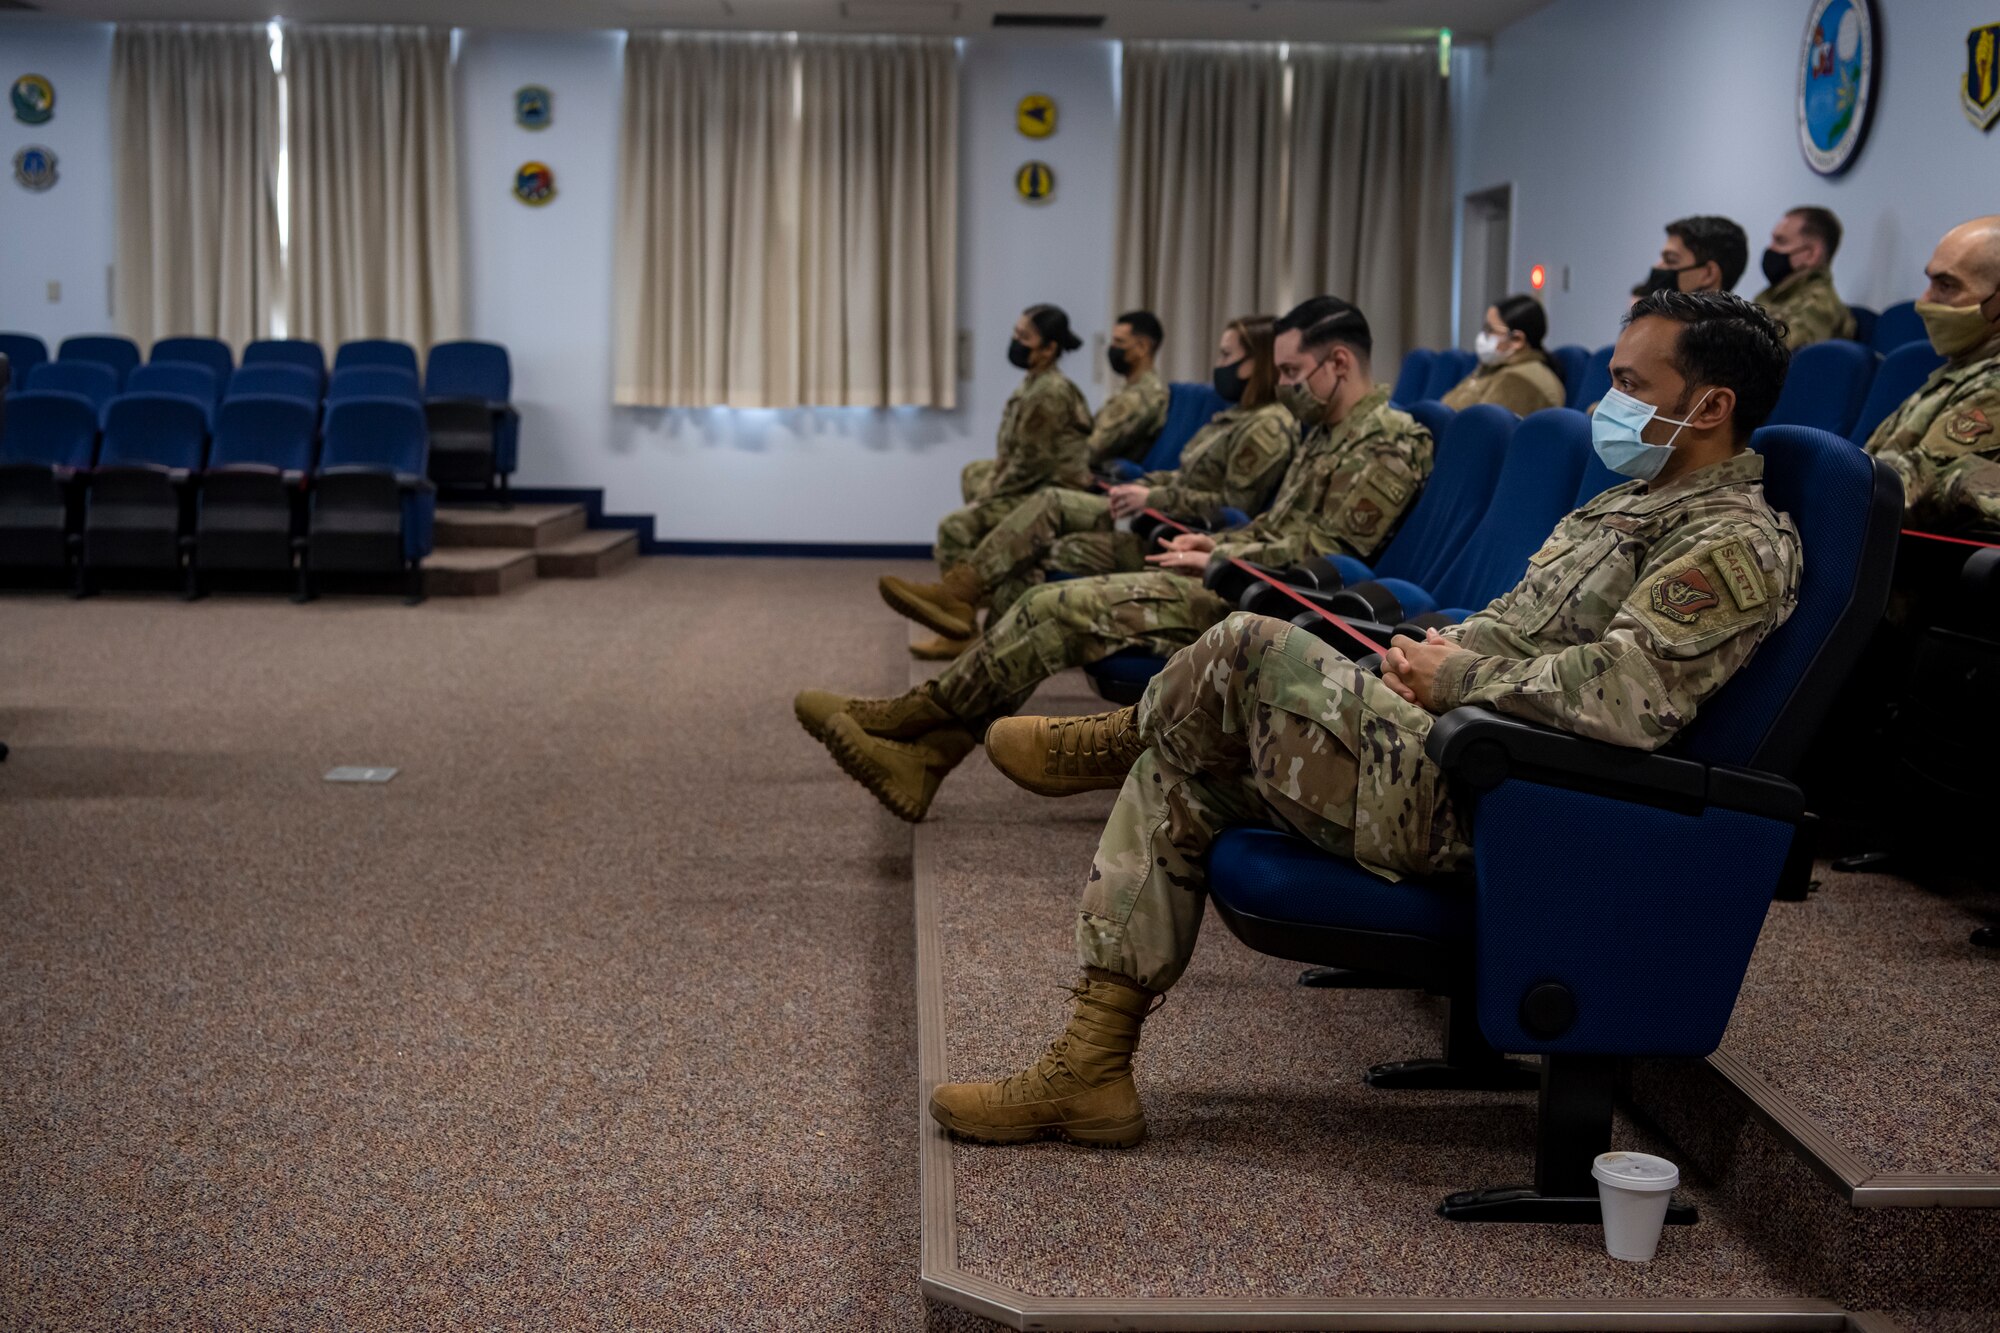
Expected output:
{"points": [[1410, 666], [1186, 554]]}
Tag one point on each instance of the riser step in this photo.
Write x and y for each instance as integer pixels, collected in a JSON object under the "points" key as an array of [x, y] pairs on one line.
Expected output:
{"points": [[476, 572], [531, 527], [588, 556]]}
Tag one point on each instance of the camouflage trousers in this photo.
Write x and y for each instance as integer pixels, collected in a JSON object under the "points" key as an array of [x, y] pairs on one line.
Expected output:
{"points": [[1055, 529], [1073, 623], [972, 478], [1262, 724], [960, 532]]}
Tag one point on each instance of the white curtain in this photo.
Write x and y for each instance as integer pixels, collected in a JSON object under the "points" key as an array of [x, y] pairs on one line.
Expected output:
{"points": [[1250, 180], [375, 227], [195, 115], [1201, 171], [788, 222]]}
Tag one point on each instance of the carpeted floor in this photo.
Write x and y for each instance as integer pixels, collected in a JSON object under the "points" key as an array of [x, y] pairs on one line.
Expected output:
{"points": [[598, 1015]]}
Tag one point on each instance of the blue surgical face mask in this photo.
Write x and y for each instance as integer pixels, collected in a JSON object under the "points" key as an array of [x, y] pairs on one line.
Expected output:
{"points": [[1615, 430]]}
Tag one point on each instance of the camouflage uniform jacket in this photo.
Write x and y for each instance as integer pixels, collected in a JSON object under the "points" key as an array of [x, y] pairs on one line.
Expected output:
{"points": [[1637, 608], [1235, 462], [1130, 420], [1348, 487], [1811, 309], [1944, 442], [1522, 384], [1042, 435]]}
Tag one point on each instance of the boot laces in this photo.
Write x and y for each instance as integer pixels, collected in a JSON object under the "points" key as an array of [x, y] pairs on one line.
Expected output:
{"points": [[1081, 746]]}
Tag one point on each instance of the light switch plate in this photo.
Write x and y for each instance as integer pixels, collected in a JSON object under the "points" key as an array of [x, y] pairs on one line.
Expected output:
{"points": [[55, 292], [358, 773]]}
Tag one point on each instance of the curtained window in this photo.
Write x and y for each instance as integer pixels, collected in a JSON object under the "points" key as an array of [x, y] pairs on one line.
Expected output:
{"points": [[195, 117], [1252, 176], [371, 144], [787, 222]]}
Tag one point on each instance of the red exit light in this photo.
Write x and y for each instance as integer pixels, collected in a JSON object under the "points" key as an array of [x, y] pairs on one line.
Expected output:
{"points": [[1537, 277]]}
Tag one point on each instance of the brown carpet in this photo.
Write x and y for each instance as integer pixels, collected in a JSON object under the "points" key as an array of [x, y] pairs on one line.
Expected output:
{"points": [[1868, 1008], [598, 1015]]}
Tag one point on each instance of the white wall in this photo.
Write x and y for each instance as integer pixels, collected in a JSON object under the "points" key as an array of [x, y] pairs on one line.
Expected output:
{"points": [[1613, 119], [541, 280], [64, 234]]}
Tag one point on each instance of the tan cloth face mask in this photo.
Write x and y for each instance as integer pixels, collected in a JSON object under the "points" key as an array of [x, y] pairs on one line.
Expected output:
{"points": [[1955, 328]]}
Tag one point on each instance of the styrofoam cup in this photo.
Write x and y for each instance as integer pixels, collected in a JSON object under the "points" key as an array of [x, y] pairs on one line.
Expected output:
{"points": [[1633, 1190]]}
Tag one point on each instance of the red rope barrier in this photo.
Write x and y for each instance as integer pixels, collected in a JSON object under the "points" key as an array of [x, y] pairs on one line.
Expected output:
{"points": [[1955, 541]]}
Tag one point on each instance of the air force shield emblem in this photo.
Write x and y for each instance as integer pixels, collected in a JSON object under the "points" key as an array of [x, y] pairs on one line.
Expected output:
{"points": [[1979, 91]]}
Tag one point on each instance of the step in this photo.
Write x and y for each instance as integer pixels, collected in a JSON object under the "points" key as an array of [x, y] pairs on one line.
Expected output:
{"points": [[588, 555], [523, 526], [477, 572]]}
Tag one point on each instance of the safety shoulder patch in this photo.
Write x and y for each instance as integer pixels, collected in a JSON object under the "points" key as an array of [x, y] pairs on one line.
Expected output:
{"points": [[1394, 487], [1740, 574]]}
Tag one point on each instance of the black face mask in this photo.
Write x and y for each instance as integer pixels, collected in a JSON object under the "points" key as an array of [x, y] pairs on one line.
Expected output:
{"points": [[1665, 279], [1777, 267], [1121, 364], [1229, 382], [1018, 354]]}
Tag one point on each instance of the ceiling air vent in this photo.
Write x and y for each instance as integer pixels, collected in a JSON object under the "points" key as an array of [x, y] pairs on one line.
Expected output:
{"points": [[18, 4], [1048, 20]]}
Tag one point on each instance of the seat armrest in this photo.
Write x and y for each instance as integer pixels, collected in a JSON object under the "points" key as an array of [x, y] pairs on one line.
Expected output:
{"points": [[1226, 580]]}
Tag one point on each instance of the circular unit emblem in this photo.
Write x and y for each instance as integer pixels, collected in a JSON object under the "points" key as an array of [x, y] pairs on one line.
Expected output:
{"points": [[1838, 64], [534, 108], [1036, 116], [35, 168], [34, 99], [534, 183], [1035, 182]]}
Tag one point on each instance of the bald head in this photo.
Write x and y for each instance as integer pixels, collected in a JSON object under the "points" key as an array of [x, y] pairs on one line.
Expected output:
{"points": [[1965, 267]]}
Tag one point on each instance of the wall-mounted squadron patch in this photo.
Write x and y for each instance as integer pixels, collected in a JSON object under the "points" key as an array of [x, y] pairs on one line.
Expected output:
{"points": [[1035, 182], [534, 184], [35, 168], [34, 99], [1036, 116], [534, 107], [1979, 90]]}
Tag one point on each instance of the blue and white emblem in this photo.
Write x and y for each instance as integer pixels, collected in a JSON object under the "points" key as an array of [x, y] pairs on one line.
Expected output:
{"points": [[35, 168], [1837, 66], [534, 107]]}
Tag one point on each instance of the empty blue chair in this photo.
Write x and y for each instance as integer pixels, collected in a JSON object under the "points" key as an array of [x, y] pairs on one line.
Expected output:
{"points": [[134, 516], [278, 379], [1566, 835], [1896, 326], [251, 509], [1595, 383], [1448, 367], [475, 431], [121, 354], [288, 352], [90, 379], [1432, 415], [1900, 375], [24, 351], [375, 352], [1571, 362], [210, 352], [1864, 325], [1826, 386], [1414, 377], [1596, 480], [49, 436], [373, 382], [50, 429], [1190, 406], [372, 508], [181, 377]]}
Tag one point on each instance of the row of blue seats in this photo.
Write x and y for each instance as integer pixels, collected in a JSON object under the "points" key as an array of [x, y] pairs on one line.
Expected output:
{"points": [[463, 369], [97, 383]]}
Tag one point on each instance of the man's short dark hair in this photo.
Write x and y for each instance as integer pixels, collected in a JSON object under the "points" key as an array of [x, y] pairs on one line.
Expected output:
{"points": [[1308, 313], [1820, 224], [1725, 342], [1146, 324], [1717, 240], [1339, 323]]}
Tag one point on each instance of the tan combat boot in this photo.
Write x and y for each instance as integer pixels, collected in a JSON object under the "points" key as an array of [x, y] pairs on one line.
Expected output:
{"points": [[950, 606], [902, 718], [1081, 1089], [902, 775], [1061, 756], [939, 649]]}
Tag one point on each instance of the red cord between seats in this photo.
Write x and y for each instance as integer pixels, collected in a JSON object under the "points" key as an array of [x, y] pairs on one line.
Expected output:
{"points": [[1287, 590], [1955, 541]]}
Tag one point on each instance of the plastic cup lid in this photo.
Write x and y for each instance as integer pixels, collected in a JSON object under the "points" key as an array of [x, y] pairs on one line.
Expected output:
{"points": [[1635, 1171]]}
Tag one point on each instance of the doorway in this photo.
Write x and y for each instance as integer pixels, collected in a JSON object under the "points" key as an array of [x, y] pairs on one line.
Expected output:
{"points": [[1488, 256]]}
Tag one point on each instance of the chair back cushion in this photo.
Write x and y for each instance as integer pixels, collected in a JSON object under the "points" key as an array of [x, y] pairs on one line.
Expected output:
{"points": [[279, 378], [375, 352], [1467, 458], [289, 352], [385, 433], [161, 429], [1897, 326], [121, 354], [1189, 408], [1536, 487], [1901, 374], [1826, 386], [210, 352], [468, 370], [91, 379], [1414, 376], [268, 429], [50, 427]]}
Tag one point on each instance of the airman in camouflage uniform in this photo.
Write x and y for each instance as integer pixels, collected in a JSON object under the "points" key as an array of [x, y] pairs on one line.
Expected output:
{"points": [[1130, 420], [1042, 438], [1810, 308], [1526, 382]]}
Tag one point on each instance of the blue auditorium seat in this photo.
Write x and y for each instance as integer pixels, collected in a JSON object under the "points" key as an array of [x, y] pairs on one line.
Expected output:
{"points": [[24, 351], [372, 508], [251, 508], [49, 437], [1190, 406], [1575, 939], [89, 379], [375, 352], [1864, 325], [1901, 374], [1826, 386], [210, 352], [276, 378], [1595, 383], [133, 513], [182, 377], [1897, 326], [475, 431], [1432, 415], [288, 352], [1572, 363], [1450, 365], [1414, 377], [121, 354], [373, 382], [1596, 480]]}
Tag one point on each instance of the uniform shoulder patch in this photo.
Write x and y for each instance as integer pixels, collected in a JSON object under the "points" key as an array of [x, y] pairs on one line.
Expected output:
{"points": [[1393, 487], [1967, 425], [1740, 575], [1365, 516], [1685, 595], [1552, 550]]}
